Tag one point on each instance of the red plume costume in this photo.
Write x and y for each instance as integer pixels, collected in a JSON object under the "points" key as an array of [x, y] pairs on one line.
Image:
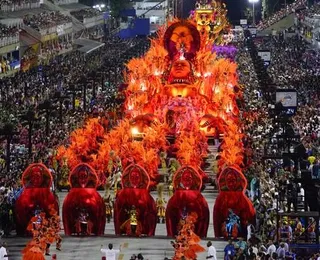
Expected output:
{"points": [[232, 185], [83, 196], [186, 199], [135, 193], [36, 181]]}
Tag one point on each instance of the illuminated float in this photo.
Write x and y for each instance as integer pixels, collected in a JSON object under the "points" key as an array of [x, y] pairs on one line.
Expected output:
{"points": [[179, 90]]}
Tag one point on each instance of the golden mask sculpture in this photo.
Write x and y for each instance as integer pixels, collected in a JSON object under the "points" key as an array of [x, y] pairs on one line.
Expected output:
{"points": [[211, 20]]}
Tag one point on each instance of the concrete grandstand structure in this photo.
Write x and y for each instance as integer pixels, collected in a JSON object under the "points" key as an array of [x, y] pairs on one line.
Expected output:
{"points": [[34, 31]]}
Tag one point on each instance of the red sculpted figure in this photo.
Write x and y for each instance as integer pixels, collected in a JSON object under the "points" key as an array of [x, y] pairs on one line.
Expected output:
{"points": [[36, 181], [232, 198], [187, 199], [134, 206], [83, 208]]}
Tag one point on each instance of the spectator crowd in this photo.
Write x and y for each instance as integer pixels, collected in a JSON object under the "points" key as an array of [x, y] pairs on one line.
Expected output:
{"points": [[8, 35], [46, 20], [17, 5], [275, 185], [86, 13], [282, 13]]}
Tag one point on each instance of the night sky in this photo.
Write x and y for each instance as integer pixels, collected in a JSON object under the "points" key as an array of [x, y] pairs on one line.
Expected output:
{"points": [[235, 8]]}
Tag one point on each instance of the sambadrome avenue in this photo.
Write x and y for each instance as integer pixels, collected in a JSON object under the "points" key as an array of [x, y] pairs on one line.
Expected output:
{"points": [[159, 129]]}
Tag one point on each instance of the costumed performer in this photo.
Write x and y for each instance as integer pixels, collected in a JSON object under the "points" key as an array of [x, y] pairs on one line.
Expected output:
{"points": [[161, 204], [83, 208], [186, 199], [36, 181], [135, 199]]}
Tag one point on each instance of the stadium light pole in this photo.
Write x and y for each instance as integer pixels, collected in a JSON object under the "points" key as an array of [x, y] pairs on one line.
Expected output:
{"points": [[253, 12]]}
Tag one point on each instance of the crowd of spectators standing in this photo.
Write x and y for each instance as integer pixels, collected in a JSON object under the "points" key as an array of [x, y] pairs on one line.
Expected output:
{"points": [[311, 12], [17, 5], [46, 20], [8, 35], [307, 22], [295, 66], [282, 13], [86, 13], [272, 184]]}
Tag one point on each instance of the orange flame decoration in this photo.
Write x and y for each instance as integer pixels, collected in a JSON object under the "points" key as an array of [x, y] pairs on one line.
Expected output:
{"points": [[192, 147], [213, 79], [145, 152], [187, 242], [45, 233]]}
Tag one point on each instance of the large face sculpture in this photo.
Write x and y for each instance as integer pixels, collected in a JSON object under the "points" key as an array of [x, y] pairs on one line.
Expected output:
{"points": [[83, 176], [231, 179], [181, 69]]}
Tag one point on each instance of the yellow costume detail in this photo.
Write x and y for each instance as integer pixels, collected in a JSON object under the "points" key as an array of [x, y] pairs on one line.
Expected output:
{"points": [[161, 203], [133, 217]]}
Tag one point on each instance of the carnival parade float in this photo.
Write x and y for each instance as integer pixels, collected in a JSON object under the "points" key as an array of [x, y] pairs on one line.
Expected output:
{"points": [[183, 91]]}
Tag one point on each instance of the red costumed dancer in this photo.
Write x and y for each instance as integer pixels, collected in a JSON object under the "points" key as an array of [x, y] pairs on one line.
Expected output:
{"points": [[36, 181], [187, 199], [135, 211], [83, 208], [233, 211]]}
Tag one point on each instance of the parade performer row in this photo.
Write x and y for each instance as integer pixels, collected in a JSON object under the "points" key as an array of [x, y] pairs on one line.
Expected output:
{"points": [[135, 211]]}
